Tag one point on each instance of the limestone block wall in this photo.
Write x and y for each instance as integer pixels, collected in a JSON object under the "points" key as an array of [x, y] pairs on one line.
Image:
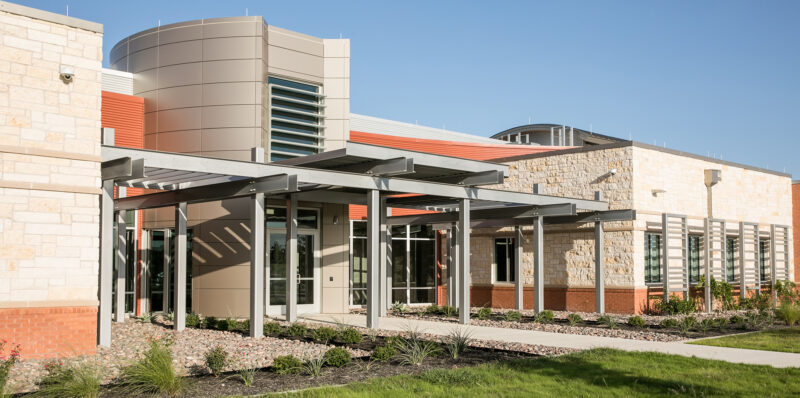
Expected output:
{"points": [[49, 180]]}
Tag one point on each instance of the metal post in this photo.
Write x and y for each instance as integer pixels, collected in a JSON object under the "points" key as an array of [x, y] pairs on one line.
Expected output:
{"points": [[707, 270], [257, 248], [665, 255], [383, 261], [518, 279], [463, 259], [388, 266], [599, 262], [538, 264], [121, 255], [165, 292], [454, 264], [552, 138], [373, 260], [291, 258], [180, 267], [742, 281], [572, 136], [257, 255], [106, 263]]}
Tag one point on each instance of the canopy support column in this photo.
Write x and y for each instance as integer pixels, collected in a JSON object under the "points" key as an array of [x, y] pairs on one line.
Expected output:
{"points": [[599, 260], [106, 263], [452, 265], [518, 279], [122, 264], [180, 266], [538, 264], [291, 258], [463, 260], [383, 261], [257, 265], [373, 260]]}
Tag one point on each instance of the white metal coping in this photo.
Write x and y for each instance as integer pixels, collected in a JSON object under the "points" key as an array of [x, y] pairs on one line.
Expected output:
{"points": [[180, 171]]}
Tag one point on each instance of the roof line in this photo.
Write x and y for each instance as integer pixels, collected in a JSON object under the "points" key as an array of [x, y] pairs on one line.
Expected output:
{"points": [[48, 16]]}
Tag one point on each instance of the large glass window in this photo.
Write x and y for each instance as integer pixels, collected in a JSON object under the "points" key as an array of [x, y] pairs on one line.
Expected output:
{"points": [[504, 259], [296, 119], [413, 264], [694, 259], [730, 262], [763, 254], [652, 258], [156, 270]]}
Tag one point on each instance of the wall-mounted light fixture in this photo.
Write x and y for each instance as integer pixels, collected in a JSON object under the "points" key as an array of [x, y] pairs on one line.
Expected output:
{"points": [[335, 220], [657, 192]]}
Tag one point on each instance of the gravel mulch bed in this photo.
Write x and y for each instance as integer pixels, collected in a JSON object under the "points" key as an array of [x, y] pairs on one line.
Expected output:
{"points": [[131, 338], [589, 327]]}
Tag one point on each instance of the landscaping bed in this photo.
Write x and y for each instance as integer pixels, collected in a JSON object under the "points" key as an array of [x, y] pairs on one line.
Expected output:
{"points": [[664, 328]]}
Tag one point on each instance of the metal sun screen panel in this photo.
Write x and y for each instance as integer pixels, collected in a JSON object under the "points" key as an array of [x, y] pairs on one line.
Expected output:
{"points": [[749, 276], [296, 125], [675, 264], [779, 253]]}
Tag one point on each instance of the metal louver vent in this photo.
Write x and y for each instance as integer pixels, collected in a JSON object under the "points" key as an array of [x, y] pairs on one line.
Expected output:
{"points": [[296, 125]]}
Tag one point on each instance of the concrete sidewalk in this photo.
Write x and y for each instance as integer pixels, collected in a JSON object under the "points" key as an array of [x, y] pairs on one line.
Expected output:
{"points": [[736, 355]]}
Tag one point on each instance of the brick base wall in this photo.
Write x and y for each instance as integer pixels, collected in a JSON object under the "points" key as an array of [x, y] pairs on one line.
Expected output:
{"points": [[50, 332], [619, 301]]}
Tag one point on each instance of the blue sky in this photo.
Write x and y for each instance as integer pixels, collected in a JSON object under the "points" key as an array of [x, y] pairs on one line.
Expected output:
{"points": [[707, 77]]}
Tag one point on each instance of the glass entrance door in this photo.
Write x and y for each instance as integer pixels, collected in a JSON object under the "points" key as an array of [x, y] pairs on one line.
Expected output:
{"points": [[161, 284], [308, 273], [130, 272]]}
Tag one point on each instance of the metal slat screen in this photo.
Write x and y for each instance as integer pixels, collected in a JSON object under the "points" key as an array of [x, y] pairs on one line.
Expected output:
{"points": [[296, 126]]}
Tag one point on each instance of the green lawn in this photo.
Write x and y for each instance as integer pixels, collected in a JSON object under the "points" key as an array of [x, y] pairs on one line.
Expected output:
{"points": [[594, 373], [784, 340]]}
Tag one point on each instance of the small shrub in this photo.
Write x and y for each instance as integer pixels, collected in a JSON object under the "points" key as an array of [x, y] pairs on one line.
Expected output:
{"points": [[636, 321], [676, 305], [153, 374], [383, 353], [787, 292], [228, 324], [372, 334], [286, 364], [705, 325], [433, 309], [192, 320], [789, 313], [337, 357], [448, 310], [608, 321], [272, 328], [313, 366], [484, 313], [457, 342], [244, 325], [216, 360], [324, 334], [760, 302], [244, 370], [146, 317], [687, 324], [574, 319], [513, 316], [6, 363], [720, 322], [78, 381], [210, 322], [350, 336], [296, 330], [737, 321], [413, 352], [170, 316], [545, 316], [669, 323], [400, 308]]}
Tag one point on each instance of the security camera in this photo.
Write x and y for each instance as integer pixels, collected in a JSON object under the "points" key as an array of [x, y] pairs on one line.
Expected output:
{"points": [[67, 74]]}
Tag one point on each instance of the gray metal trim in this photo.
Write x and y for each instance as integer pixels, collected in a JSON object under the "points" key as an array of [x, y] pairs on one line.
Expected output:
{"points": [[325, 177], [595, 216], [387, 167], [43, 15], [490, 177], [490, 215], [122, 169], [206, 193]]}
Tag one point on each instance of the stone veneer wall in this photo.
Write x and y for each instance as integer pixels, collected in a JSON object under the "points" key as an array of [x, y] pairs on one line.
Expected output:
{"points": [[49, 181]]}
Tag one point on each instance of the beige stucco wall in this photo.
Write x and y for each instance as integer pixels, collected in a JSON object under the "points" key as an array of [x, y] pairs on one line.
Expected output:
{"points": [[49, 159]]}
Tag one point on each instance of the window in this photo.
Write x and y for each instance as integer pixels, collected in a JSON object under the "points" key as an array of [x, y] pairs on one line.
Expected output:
{"points": [[763, 250], [306, 218], [504, 259], [730, 262], [652, 258], [694, 259], [413, 264], [296, 119]]}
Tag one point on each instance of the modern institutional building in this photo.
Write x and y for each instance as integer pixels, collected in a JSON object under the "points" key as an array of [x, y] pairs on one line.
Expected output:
{"points": [[216, 168]]}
